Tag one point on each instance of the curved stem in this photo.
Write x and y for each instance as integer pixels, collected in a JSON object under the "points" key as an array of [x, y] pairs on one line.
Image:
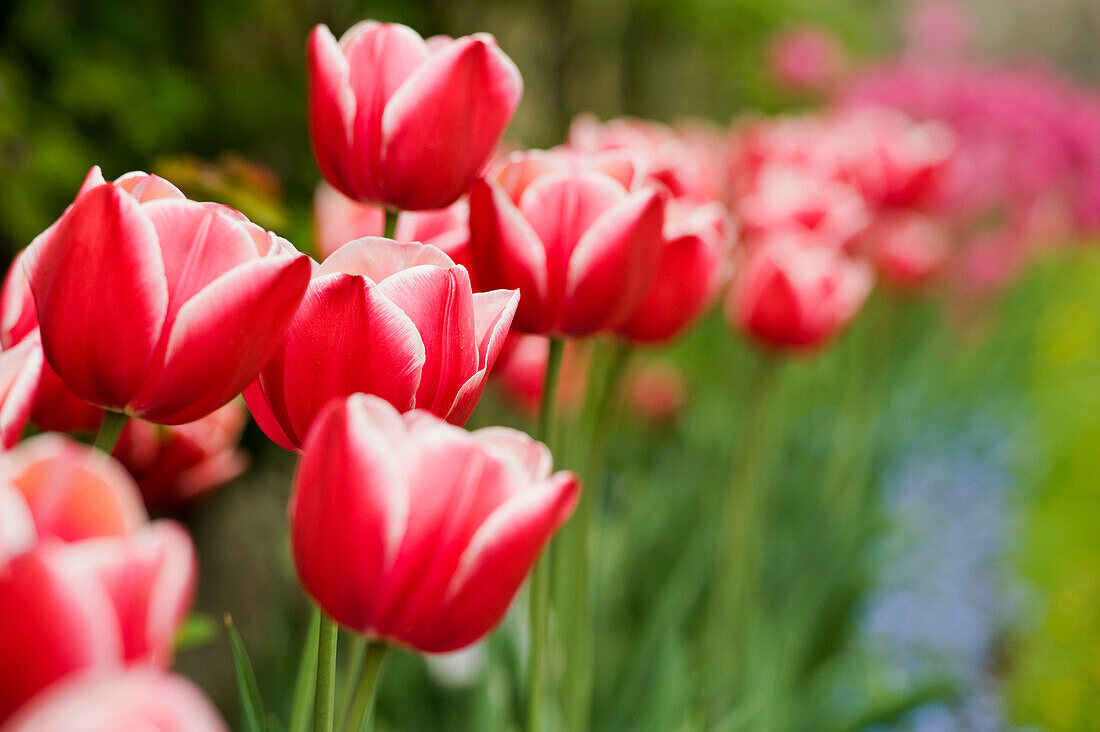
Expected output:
{"points": [[362, 704], [109, 430], [539, 599], [326, 675]]}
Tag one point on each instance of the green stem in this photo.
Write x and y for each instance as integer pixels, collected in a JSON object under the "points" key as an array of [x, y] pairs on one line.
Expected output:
{"points": [[581, 542], [326, 675], [362, 704], [390, 226], [539, 599], [109, 430], [736, 564], [307, 677], [355, 649]]}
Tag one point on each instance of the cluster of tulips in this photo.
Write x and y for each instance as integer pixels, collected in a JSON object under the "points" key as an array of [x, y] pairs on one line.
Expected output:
{"points": [[141, 315]]}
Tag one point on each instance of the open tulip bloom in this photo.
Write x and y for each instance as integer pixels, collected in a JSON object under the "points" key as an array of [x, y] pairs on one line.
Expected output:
{"points": [[157, 306], [394, 319], [437, 526], [404, 122]]}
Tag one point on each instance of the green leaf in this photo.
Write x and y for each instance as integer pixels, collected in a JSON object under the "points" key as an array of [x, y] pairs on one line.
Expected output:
{"points": [[302, 705], [251, 705], [198, 630]]}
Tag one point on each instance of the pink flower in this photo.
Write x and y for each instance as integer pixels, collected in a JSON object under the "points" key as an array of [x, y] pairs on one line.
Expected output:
{"points": [[580, 243], [794, 292], [158, 306], [398, 320], [522, 370], [338, 219], [447, 229], [434, 528], [110, 701], [656, 391], [806, 59], [907, 249], [399, 121]]}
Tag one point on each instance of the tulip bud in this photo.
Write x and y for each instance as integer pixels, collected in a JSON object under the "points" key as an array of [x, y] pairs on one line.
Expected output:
{"points": [[414, 531], [157, 306], [793, 292], [398, 121], [572, 235], [398, 320], [136, 699]]}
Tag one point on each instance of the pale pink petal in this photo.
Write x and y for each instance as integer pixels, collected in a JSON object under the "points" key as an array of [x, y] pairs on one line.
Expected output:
{"points": [[20, 373], [17, 532], [377, 258], [145, 187], [337, 219]]}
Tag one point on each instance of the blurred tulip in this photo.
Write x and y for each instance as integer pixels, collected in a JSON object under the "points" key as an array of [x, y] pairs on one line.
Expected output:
{"points": [[398, 320], [447, 229], [20, 373], [17, 531], [96, 603], [338, 219], [806, 59], [399, 121], [173, 465], [907, 249], [571, 234], [793, 292], [656, 391], [522, 370], [415, 531], [158, 306], [691, 269], [117, 701]]}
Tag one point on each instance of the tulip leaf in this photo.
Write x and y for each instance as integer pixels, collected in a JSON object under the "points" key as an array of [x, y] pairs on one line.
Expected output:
{"points": [[251, 705], [198, 630], [304, 685]]}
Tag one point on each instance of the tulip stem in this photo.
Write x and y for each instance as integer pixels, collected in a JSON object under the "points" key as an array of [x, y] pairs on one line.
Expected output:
{"points": [[307, 676], [539, 598], [109, 430], [362, 704], [390, 223], [323, 700]]}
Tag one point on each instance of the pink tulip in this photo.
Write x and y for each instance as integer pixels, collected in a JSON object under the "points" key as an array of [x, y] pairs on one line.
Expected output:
{"points": [[157, 306], [447, 229], [17, 531], [435, 528], [691, 269], [521, 372], [656, 391], [20, 372], [807, 59], [338, 219], [118, 700], [402, 122], [794, 292], [907, 249], [580, 244], [174, 465], [398, 320]]}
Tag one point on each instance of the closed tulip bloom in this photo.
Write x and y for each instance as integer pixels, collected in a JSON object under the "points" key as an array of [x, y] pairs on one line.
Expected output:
{"points": [[692, 267], [133, 699], [157, 306], [405, 122], [394, 319], [575, 236], [795, 293], [417, 532]]}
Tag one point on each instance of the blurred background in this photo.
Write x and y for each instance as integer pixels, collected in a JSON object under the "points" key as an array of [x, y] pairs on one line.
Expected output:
{"points": [[968, 598]]}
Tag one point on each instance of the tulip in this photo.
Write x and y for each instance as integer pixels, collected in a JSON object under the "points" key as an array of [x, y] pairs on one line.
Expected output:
{"points": [[134, 699], [157, 306], [656, 391], [394, 319], [572, 235], [907, 249], [174, 465], [17, 531], [691, 269], [97, 603], [794, 292], [404, 122], [521, 372], [338, 219], [806, 59], [20, 373], [447, 229], [414, 531]]}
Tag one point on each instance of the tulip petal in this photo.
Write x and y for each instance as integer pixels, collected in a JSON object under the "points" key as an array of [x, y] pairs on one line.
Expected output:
{"points": [[17, 533], [20, 372], [331, 109], [259, 406], [614, 264], [56, 621], [346, 337], [222, 337], [377, 258], [508, 253], [443, 123], [498, 558], [493, 314], [100, 345], [146, 187], [440, 304], [347, 511]]}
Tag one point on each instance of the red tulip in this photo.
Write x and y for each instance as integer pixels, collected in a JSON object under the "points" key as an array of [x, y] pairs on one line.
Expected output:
{"points": [[795, 293], [656, 391], [110, 701], [20, 373], [158, 306], [394, 319], [570, 233], [691, 269], [399, 121], [173, 465], [416, 531], [337, 219]]}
